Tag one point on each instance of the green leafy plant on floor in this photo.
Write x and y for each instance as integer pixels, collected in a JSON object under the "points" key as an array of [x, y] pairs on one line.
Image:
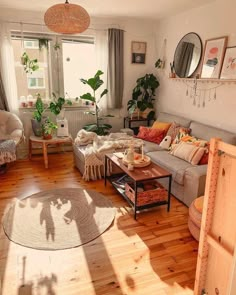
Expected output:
{"points": [[95, 83], [143, 95], [30, 65]]}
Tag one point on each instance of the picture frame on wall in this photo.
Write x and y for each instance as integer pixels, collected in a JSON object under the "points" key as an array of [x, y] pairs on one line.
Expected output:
{"points": [[229, 65], [213, 57], [138, 52]]}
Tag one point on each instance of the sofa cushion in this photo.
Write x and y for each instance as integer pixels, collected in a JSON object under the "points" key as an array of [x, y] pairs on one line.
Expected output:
{"points": [[165, 117], [152, 135], [173, 164], [161, 125], [188, 152], [207, 132], [151, 147]]}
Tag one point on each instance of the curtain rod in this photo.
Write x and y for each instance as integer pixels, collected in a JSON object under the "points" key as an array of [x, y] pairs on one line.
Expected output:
{"points": [[35, 24]]}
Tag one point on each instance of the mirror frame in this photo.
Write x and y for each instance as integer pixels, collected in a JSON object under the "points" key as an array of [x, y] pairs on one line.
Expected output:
{"points": [[200, 57]]}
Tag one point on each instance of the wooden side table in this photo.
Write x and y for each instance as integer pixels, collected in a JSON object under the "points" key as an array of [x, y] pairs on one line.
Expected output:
{"points": [[45, 143]]}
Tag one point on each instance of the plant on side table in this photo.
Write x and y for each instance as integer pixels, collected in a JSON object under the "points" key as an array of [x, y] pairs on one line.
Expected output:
{"points": [[47, 128], [143, 96], [38, 117], [95, 83]]}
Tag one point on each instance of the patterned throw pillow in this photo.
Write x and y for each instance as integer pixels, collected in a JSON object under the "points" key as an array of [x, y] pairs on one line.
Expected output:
{"points": [[152, 135], [173, 130], [194, 140], [188, 152], [182, 132]]}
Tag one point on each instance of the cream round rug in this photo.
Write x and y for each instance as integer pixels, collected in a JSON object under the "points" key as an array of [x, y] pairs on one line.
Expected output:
{"points": [[58, 219]]}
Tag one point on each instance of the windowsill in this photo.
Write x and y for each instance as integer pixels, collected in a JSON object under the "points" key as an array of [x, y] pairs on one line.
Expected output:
{"points": [[74, 106]]}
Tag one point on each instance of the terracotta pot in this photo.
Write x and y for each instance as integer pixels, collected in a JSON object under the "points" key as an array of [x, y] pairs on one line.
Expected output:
{"points": [[47, 136]]}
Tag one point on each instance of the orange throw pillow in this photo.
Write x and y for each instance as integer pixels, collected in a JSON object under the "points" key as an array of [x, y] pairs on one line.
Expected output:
{"points": [[152, 135], [161, 125]]}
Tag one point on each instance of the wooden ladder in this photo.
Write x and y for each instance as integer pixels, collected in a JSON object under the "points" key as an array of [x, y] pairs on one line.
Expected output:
{"points": [[216, 265]]}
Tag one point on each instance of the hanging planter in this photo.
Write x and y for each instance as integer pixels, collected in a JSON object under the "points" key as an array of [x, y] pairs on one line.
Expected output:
{"points": [[56, 46], [30, 65], [43, 43]]}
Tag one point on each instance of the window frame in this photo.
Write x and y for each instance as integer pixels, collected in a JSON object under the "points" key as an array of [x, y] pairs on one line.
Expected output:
{"points": [[55, 57]]}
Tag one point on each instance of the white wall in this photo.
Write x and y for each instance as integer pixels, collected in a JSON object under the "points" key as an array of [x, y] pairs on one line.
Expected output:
{"points": [[212, 20]]}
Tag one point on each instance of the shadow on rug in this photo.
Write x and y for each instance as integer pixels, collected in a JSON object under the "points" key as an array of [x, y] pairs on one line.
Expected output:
{"points": [[58, 219]]}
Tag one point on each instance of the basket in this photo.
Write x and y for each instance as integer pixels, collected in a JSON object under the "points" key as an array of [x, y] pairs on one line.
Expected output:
{"points": [[156, 193]]}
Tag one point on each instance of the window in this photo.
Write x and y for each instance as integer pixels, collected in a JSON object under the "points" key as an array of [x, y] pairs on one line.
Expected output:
{"points": [[78, 62], [37, 81], [60, 67], [31, 44]]}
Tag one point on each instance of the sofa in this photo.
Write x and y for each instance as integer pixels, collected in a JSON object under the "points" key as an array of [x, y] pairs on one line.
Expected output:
{"points": [[188, 181]]}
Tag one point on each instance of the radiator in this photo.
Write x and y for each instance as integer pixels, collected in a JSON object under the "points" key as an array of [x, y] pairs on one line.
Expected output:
{"points": [[76, 118]]}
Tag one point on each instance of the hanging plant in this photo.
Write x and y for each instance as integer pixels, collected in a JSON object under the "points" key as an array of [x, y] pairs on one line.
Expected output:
{"points": [[56, 46], [30, 65], [43, 43]]}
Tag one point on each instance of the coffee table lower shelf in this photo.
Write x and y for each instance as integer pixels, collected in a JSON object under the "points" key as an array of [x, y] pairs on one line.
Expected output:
{"points": [[137, 206]]}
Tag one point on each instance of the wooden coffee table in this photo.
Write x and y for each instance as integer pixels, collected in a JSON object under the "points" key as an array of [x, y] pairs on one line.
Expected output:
{"points": [[138, 176]]}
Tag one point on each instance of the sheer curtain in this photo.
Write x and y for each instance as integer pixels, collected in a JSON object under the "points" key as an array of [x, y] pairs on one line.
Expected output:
{"points": [[7, 67], [101, 47]]}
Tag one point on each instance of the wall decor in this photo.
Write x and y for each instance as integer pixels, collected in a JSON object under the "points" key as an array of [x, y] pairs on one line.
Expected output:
{"points": [[138, 52], [229, 65], [213, 57]]}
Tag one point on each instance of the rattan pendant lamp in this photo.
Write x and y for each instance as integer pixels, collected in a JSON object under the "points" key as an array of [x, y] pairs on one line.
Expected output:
{"points": [[67, 18]]}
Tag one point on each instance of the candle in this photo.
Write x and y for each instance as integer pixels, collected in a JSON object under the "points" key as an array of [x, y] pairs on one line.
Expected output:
{"points": [[142, 153]]}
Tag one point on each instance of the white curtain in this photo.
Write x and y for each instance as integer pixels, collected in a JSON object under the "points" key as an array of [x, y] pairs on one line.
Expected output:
{"points": [[101, 47], [7, 67]]}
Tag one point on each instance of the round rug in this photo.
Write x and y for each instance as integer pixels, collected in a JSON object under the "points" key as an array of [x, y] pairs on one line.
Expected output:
{"points": [[58, 219]]}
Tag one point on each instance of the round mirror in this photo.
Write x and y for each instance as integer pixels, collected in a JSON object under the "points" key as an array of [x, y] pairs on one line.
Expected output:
{"points": [[187, 55]]}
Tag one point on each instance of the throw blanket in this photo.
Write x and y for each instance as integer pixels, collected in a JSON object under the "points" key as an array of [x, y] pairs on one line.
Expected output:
{"points": [[7, 151], [95, 153]]}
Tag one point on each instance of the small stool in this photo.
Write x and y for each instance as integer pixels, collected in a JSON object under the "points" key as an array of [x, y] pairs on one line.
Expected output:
{"points": [[128, 131], [195, 217]]}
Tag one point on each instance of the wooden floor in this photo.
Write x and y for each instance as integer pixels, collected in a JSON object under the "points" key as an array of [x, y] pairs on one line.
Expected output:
{"points": [[154, 255]]}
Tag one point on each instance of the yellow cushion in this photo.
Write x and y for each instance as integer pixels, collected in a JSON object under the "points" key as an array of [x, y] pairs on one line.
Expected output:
{"points": [[161, 125]]}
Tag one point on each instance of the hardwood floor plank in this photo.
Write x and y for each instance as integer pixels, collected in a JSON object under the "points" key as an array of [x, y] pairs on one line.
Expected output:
{"points": [[154, 255]]}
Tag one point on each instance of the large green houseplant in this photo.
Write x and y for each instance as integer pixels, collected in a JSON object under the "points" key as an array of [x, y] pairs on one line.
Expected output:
{"points": [[95, 83], [143, 95]]}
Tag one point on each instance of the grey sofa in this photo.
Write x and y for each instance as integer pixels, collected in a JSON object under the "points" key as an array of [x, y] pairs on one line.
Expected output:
{"points": [[188, 181]]}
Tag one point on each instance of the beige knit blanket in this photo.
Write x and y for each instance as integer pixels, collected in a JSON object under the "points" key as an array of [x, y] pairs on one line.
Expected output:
{"points": [[102, 145]]}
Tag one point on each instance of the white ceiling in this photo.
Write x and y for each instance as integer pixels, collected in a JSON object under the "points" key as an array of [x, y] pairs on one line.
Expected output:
{"points": [[153, 9]]}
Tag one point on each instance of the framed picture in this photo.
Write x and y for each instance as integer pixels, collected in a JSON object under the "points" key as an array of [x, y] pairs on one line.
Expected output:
{"points": [[213, 57], [138, 52], [229, 65]]}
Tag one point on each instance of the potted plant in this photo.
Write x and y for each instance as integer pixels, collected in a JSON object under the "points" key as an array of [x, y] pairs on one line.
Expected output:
{"points": [[38, 118], [43, 43], [57, 104], [47, 129], [143, 96], [95, 83], [30, 65]]}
